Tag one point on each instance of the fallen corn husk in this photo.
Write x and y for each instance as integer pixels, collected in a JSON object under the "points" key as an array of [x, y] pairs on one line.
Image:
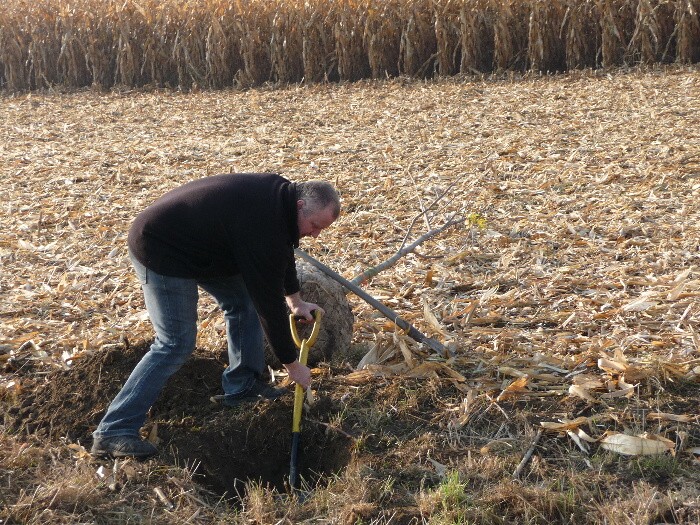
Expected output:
{"points": [[644, 445]]}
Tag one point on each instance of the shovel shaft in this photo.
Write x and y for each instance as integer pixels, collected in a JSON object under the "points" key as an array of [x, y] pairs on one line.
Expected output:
{"points": [[304, 346], [298, 405], [293, 464]]}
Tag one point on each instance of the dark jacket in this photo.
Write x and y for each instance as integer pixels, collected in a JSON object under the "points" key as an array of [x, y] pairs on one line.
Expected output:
{"points": [[226, 225]]}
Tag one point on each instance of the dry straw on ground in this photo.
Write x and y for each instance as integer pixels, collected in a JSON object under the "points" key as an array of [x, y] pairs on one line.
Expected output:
{"points": [[212, 44], [574, 277], [585, 187]]}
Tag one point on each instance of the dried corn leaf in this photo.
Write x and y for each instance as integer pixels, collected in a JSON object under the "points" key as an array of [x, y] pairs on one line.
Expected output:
{"points": [[681, 284], [565, 424], [430, 318], [582, 435], [611, 366], [579, 443], [625, 392], [514, 389], [507, 370], [359, 377], [583, 393], [636, 445], [435, 369], [639, 305], [401, 341], [371, 357], [153, 435], [619, 389], [663, 416], [588, 382]]}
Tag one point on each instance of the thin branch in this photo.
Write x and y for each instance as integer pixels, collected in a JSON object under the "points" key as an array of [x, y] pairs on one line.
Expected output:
{"points": [[528, 455], [425, 211], [371, 272], [410, 330], [420, 203]]}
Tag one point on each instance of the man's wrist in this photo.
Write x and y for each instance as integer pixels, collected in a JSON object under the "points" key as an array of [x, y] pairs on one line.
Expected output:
{"points": [[293, 299]]}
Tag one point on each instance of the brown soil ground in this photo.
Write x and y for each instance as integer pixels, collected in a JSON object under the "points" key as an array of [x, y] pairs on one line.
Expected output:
{"points": [[384, 427], [231, 445]]}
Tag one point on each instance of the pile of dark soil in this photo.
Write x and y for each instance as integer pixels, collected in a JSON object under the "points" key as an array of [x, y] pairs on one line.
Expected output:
{"points": [[227, 445]]}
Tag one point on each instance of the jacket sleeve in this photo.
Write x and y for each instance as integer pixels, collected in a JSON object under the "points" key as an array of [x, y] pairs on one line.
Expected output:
{"points": [[291, 282], [265, 273]]}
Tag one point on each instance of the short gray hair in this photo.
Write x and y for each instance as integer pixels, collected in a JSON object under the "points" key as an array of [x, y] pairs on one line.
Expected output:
{"points": [[319, 194]]}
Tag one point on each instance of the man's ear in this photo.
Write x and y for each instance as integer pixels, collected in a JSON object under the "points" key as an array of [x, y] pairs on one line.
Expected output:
{"points": [[300, 204]]}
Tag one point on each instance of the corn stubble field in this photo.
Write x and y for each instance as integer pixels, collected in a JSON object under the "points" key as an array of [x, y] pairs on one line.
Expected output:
{"points": [[566, 293]]}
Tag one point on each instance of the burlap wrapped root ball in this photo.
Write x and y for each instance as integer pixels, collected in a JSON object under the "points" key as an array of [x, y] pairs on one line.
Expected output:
{"points": [[335, 334]]}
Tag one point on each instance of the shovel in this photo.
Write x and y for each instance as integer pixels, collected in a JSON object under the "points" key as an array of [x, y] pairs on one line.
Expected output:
{"points": [[304, 347]]}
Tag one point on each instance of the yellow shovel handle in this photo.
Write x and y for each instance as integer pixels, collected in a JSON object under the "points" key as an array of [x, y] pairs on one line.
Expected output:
{"points": [[314, 331], [303, 357], [299, 395]]}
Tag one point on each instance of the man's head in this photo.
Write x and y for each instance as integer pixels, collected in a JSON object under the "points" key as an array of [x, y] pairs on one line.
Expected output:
{"points": [[318, 205]]}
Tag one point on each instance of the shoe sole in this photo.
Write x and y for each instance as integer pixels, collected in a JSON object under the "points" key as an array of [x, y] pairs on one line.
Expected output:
{"points": [[108, 454]]}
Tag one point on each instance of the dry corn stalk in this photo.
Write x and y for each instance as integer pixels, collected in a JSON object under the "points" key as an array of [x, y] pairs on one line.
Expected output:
{"points": [[546, 49], [687, 19], [318, 47], [477, 37], [286, 42], [617, 26], [253, 27], [447, 25], [352, 60], [418, 42], [652, 33], [213, 44], [582, 34], [510, 34], [382, 38]]}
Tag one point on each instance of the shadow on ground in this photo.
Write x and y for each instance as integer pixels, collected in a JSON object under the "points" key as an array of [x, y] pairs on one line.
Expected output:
{"points": [[227, 446]]}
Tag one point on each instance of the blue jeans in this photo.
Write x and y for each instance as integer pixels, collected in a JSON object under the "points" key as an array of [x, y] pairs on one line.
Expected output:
{"points": [[172, 307]]}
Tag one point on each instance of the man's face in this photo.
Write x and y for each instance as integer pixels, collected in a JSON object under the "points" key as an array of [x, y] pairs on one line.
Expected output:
{"points": [[311, 224]]}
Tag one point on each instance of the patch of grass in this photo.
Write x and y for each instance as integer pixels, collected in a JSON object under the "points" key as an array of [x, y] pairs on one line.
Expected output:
{"points": [[453, 501], [453, 492], [656, 469]]}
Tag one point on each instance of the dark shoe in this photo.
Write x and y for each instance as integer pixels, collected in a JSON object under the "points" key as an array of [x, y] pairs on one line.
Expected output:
{"points": [[123, 446], [259, 390]]}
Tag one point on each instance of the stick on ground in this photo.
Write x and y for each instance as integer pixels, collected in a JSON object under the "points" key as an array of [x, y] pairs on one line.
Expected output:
{"points": [[410, 330], [528, 455]]}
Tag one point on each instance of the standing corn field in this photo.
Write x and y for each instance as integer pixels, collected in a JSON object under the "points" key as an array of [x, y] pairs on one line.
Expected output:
{"points": [[216, 43]]}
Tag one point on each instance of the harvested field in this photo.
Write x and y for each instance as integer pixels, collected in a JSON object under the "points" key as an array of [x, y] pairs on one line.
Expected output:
{"points": [[566, 294]]}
